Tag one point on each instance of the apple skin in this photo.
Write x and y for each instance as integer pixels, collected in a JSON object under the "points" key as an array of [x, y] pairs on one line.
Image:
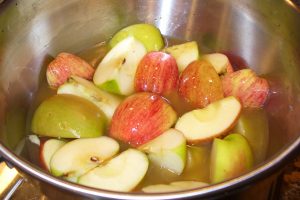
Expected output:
{"points": [[230, 157], [68, 116], [65, 65], [147, 34], [141, 117], [157, 72], [200, 84], [253, 124], [245, 85]]}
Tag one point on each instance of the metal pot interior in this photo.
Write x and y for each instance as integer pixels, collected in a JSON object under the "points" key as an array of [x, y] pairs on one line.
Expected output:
{"points": [[259, 34]]}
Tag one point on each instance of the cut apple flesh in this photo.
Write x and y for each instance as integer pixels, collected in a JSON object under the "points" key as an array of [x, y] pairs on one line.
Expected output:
{"points": [[167, 150], [212, 121], [116, 71], [219, 61], [173, 187], [122, 173], [81, 155], [80, 87], [47, 149]]}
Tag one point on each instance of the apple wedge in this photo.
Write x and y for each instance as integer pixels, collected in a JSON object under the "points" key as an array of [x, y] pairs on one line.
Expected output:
{"points": [[219, 61], [184, 53], [81, 155], [230, 157], [210, 122], [47, 149], [80, 87], [116, 71], [174, 186], [122, 173], [168, 150]]}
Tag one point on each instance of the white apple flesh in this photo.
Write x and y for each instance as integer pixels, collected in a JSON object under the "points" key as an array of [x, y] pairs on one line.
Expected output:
{"points": [[174, 186], [81, 155], [212, 121], [116, 71], [168, 150], [83, 88], [219, 61], [122, 173]]}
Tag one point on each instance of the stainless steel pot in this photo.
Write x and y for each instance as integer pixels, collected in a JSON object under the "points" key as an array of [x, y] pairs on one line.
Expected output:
{"points": [[264, 33]]}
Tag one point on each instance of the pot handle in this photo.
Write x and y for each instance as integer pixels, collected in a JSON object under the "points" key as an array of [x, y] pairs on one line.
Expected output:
{"points": [[10, 180]]}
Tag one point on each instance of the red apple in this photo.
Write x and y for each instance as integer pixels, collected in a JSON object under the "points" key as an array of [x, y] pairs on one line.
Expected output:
{"points": [[200, 84], [157, 72], [245, 85], [141, 117], [65, 65]]}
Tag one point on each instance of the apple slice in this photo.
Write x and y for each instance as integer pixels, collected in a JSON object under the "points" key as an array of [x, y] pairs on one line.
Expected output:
{"points": [[210, 122], [174, 186], [122, 173], [253, 124], [47, 149], [68, 116], [230, 157], [219, 61], [116, 71], [184, 53], [168, 150], [81, 155], [147, 34], [80, 87], [141, 117]]}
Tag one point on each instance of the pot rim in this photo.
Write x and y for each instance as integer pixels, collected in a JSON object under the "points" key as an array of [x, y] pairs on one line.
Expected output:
{"points": [[29, 168]]}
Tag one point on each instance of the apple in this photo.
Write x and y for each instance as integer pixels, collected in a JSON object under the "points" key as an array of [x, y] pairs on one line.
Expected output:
{"points": [[244, 84], [200, 84], [230, 157], [77, 157], [253, 124], [122, 173], [215, 120], [65, 65], [47, 149], [219, 61], [116, 71], [68, 116], [141, 117], [174, 186], [147, 34], [83, 88], [184, 53], [157, 72], [34, 139], [167, 150]]}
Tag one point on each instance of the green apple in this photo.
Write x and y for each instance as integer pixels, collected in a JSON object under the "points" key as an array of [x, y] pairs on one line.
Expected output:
{"points": [[253, 124], [184, 53], [122, 173], [81, 155], [230, 157], [147, 34], [68, 116], [168, 150], [47, 149], [214, 120], [116, 71], [83, 88], [173, 186]]}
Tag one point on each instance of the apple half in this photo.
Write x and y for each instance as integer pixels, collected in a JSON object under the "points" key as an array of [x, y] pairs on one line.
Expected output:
{"points": [[81, 155], [83, 88], [168, 150], [122, 173], [212, 121], [184, 53], [47, 149], [230, 157], [116, 71], [174, 186]]}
